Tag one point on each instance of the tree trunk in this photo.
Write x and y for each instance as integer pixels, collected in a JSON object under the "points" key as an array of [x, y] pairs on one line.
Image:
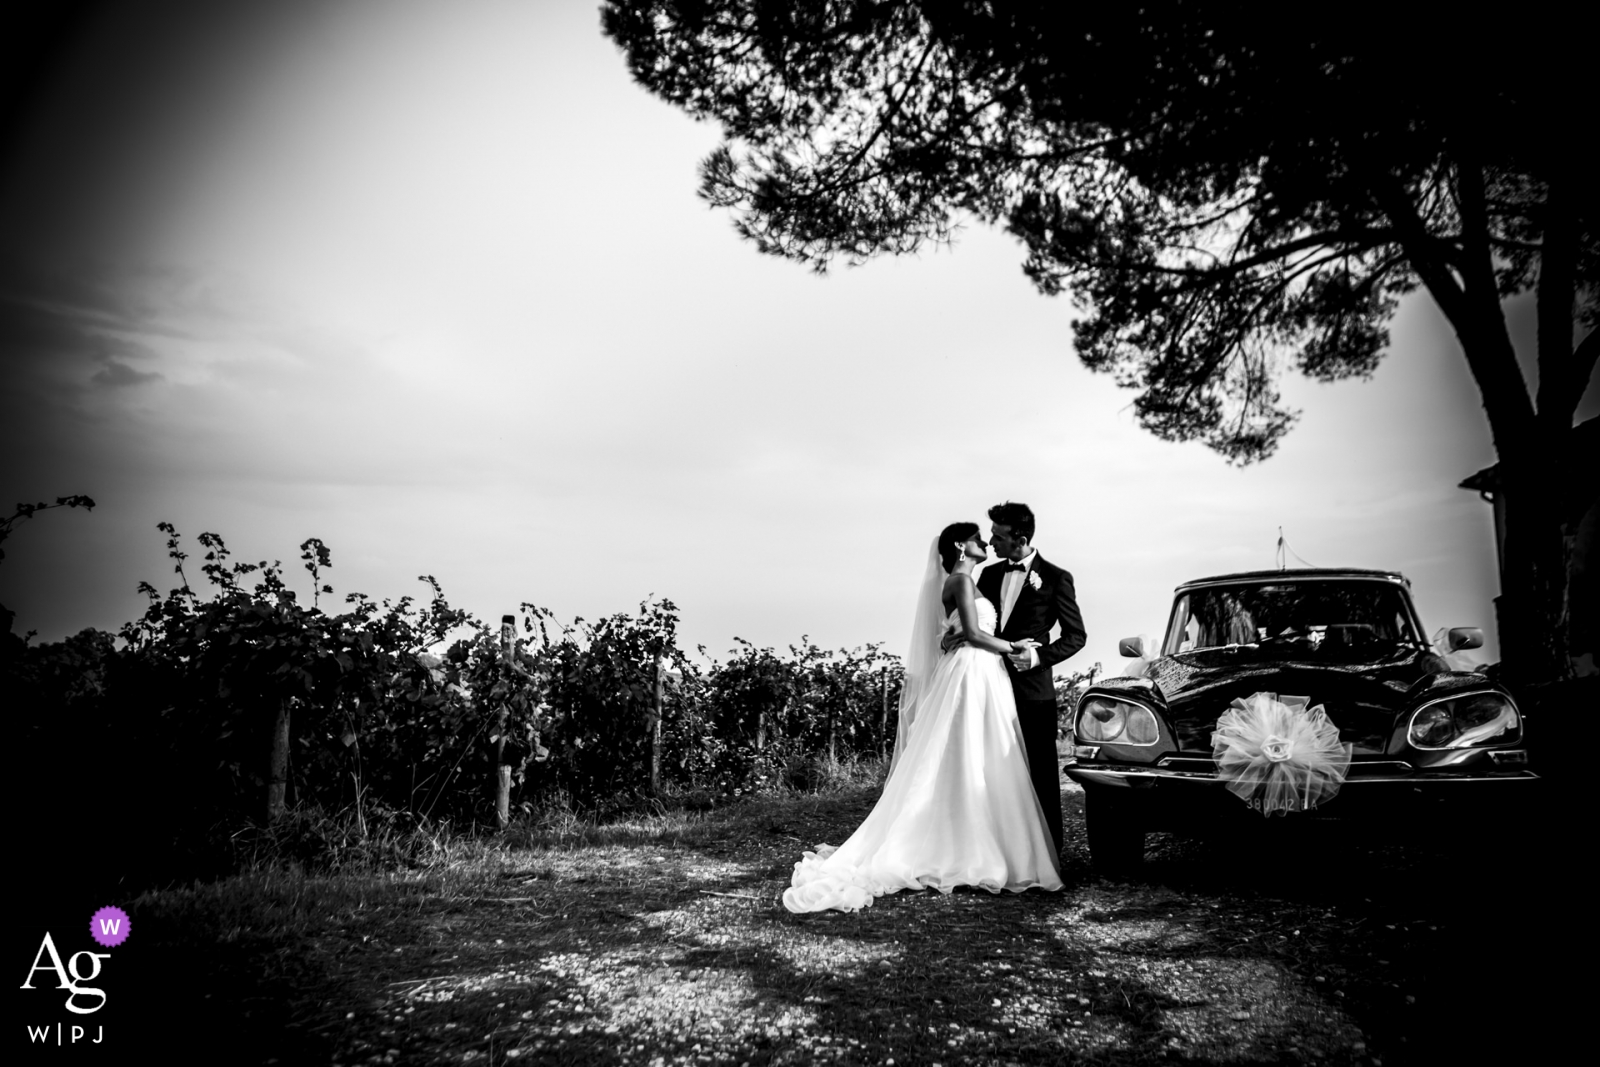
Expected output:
{"points": [[1531, 444], [278, 764], [1531, 610], [655, 729]]}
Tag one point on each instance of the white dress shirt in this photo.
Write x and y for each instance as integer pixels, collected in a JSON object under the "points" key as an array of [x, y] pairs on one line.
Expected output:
{"points": [[1010, 589]]}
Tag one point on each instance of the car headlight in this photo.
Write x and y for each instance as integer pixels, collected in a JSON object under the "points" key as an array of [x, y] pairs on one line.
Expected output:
{"points": [[1466, 721], [1105, 721]]}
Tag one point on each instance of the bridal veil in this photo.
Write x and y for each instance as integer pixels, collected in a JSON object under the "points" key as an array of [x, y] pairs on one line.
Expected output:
{"points": [[922, 655]]}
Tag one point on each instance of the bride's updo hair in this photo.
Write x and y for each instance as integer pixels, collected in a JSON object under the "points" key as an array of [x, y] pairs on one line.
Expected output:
{"points": [[950, 541]]}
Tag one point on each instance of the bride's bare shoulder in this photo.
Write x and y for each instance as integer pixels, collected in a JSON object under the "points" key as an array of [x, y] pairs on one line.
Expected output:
{"points": [[956, 586]]}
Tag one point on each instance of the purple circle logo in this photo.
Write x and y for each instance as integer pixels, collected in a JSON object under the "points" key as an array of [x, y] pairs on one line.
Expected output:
{"points": [[109, 926]]}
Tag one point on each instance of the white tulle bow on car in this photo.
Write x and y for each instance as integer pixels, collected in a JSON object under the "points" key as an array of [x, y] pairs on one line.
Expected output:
{"points": [[1277, 755]]}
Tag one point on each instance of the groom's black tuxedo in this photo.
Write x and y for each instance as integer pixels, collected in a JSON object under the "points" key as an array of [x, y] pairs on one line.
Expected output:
{"points": [[1037, 610]]}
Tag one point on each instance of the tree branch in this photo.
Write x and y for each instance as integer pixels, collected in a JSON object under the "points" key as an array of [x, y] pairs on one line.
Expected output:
{"points": [[1493, 367], [1349, 243], [888, 117]]}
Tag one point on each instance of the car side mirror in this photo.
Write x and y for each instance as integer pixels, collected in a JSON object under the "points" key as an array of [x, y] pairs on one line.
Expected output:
{"points": [[1461, 637], [1132, 647]]}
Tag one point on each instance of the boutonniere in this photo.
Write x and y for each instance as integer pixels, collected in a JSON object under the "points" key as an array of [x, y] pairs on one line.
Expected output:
{"points": [[1035, 581]]}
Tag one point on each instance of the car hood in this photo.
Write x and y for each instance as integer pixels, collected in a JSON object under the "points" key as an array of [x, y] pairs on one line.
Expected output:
{"points": [[1363, 700]]}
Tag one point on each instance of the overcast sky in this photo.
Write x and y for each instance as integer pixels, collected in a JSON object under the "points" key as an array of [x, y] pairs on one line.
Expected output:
{"points": [[430, 281]]}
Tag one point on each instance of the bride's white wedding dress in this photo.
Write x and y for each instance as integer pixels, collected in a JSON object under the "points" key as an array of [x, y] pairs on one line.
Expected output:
{"points": [[958, 808]]}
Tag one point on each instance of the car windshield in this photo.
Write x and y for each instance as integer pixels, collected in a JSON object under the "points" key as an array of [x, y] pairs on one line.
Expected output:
{"points": [[1322, 619]]}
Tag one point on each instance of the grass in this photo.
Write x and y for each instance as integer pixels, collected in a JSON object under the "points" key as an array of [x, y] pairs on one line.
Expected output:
{"points": [[660, 939]]}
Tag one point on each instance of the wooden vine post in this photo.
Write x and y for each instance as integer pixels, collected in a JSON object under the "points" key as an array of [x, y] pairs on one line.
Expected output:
{"points": [[655, 726], [278, 763], [883, 717], [833, 723], [502, 794]]}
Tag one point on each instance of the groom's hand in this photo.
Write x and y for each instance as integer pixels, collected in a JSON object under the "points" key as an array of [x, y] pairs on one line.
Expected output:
{"points": [[952, 641], [1025, 657]]}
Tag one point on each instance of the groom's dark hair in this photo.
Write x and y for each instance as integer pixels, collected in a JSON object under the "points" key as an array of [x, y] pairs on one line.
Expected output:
{"points": [[950, 541], [1017, 516]]}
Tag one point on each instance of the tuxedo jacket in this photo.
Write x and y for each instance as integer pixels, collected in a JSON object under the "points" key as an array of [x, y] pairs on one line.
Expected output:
{"points": [[1036, 611]]}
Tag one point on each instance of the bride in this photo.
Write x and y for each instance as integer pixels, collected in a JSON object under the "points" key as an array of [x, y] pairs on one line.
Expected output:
{"points": [[958, 807]]}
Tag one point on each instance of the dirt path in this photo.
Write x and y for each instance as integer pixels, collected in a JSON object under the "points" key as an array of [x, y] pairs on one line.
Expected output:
{"points": [[666, 944]]}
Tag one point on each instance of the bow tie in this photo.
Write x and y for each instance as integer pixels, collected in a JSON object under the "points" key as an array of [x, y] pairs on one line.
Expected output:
{"points": [[1008, 567]]}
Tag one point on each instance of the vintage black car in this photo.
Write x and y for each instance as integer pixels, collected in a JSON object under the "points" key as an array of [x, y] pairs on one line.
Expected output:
{"points": [[1349, 640]]}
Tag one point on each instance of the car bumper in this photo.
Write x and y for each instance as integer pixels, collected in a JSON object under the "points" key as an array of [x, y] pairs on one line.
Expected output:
{"points": [[1160, 777], [1178, 799]]}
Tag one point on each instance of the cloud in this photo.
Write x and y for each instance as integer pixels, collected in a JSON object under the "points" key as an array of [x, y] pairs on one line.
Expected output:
{"points": [[62, 335], [116, 374]]}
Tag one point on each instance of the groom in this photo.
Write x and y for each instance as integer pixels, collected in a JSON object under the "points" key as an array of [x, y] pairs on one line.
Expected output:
{"points": [[1032, 595]]}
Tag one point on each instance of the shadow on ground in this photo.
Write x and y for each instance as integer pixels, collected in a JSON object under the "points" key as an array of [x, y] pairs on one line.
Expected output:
{"points": [[666, 943]]}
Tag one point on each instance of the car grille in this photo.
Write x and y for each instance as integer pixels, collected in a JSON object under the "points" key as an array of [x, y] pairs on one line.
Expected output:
{"points": [[1366, 726]]}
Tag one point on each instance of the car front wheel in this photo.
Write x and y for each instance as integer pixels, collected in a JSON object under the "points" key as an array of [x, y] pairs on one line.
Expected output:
{"points": [[1116, 834]]}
